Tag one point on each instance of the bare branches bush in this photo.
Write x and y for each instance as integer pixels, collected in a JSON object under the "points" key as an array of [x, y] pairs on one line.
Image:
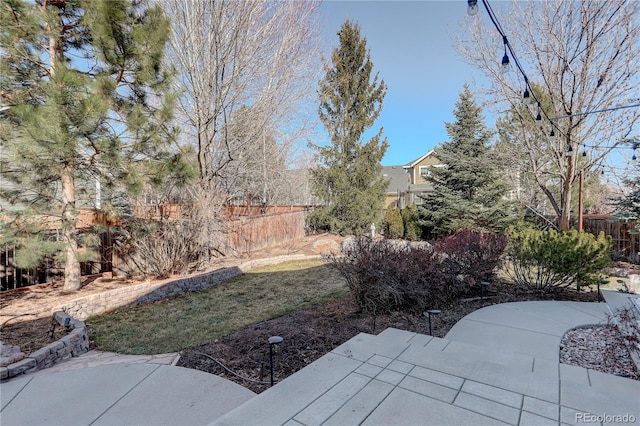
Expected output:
{"points": [[175, 238], [387, 275]]}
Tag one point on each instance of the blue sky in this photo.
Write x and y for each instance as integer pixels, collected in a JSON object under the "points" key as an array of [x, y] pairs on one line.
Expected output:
{"points": [[411, 47]]}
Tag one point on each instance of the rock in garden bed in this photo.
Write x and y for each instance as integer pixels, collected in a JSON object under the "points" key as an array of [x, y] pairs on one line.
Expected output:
{"points": [[599, 348]]}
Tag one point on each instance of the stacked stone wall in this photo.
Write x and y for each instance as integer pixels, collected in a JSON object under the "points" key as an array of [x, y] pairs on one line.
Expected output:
{"points": [[97, 304], [75, 343], [78, 310]]}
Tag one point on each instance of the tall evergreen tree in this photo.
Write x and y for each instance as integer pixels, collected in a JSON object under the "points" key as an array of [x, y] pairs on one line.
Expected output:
{"points": [[349, 177], [88, 100], [467, 192]]}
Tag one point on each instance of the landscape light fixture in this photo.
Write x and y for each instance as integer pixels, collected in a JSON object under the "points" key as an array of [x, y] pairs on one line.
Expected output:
{"points": [[472, 7], [428, 314], [483, 285], [273, 340], [601, 281], [52, 329]]}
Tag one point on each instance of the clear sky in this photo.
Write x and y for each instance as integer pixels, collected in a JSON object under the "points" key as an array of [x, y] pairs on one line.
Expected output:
{"points": [[411, 46]]}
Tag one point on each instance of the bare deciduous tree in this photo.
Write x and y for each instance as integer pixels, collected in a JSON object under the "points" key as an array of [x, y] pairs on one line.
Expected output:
{"points": [[257, 56], [583, 56]]}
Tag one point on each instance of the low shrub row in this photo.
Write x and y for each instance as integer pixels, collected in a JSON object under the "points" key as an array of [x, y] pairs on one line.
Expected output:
{"points": [[386, 275]]}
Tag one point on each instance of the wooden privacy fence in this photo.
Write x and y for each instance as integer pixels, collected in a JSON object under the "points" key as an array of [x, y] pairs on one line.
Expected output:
{"points": [[243, 235], [248, 234], [626, 243]]}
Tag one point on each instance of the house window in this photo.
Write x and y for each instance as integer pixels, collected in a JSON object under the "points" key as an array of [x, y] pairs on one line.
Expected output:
{"points": [[424, 171]]}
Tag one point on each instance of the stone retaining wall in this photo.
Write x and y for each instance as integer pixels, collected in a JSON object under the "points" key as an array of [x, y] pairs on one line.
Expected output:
{"points": [[75, 343], [71, 313], [97, 304]]}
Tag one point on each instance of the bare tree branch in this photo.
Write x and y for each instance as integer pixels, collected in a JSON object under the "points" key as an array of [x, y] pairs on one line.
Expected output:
{"points": [[260, 57], [581, 56]]}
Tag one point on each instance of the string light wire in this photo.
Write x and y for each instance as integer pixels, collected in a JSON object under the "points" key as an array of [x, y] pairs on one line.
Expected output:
{"points": [[529, 89]]}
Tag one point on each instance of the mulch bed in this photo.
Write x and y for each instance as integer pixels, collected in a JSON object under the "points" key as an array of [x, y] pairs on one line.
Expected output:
{"points": [[33, 335], [310, 333]]}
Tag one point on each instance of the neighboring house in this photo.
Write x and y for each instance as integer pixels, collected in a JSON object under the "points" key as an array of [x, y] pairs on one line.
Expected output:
{"points": [[407, 183]]}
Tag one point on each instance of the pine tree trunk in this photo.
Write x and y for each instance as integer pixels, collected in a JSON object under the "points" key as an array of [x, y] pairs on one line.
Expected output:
{"points": [[71, 265]]}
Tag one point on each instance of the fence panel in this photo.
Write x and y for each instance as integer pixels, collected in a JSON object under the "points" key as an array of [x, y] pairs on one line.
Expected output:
{"points": [[626, 244]]}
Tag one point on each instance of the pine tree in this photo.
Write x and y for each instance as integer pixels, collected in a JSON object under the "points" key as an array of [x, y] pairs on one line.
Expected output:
{"points": [[393, 223], [349, 177], [410, 219], [88, 100], [468, 192]]}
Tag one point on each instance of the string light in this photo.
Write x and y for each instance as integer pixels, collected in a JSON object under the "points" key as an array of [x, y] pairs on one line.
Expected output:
{"points": [[529, 95], [472, 7], [505, 59], [472, 10]]}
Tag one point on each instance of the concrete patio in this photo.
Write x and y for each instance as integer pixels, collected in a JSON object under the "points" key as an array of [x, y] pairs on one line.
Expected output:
{"points": [[499, 365]]}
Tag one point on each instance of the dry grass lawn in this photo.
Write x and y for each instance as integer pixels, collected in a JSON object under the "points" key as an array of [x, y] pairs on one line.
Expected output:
{"points": [[198, 318]]}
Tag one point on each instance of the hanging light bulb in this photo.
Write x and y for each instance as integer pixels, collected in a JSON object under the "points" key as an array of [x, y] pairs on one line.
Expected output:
{"points": [[505, 59], [526, 95], [505, 63], [633, 157], [552, 133], [570, 151], [472, 7], [539, 116]]}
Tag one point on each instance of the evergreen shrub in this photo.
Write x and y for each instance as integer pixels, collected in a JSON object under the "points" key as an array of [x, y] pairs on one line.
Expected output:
{"points": [[412, 230], [545, 261], [393, 223], [320, 220]]}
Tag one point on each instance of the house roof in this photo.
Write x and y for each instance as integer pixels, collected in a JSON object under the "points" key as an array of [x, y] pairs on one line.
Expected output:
{"points": [[399, 179], [416, 161]]}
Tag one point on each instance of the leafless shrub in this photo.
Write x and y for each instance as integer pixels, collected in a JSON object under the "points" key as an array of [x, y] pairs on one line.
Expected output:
{"points": [[627, 322], [175, 238]]}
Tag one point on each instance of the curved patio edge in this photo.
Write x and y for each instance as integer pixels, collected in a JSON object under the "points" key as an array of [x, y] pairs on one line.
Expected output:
{"points": [[528, 328]]}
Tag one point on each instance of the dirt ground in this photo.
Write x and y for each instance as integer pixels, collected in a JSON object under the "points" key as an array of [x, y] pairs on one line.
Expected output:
{"points": [[310, 333]]}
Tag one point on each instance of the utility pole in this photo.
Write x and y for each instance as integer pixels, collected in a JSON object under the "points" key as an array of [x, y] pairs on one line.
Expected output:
{"points": [[580, 190]]}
